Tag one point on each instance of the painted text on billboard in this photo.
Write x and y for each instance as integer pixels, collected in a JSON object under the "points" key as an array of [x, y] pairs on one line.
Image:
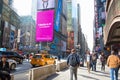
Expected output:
{"points": [[44, 26]]}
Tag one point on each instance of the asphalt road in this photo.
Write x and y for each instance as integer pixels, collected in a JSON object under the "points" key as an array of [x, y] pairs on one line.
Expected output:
{"points": [[22, 71]]}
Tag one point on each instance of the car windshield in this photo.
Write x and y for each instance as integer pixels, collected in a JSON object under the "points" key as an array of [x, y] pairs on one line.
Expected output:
{"points": [[37, 56], [47, 56]]}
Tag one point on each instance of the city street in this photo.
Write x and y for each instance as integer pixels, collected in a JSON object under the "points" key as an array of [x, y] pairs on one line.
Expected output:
{"points": [[83, 74], [49, 32], [22, 73], [22, 70]]}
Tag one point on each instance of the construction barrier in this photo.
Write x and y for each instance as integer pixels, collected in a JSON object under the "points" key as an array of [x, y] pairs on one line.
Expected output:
{"points": [[61, 65], [40, 73]]}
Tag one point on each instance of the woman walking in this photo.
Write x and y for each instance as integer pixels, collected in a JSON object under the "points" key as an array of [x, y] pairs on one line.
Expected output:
{"points": [[88, 60], [103, 61]]}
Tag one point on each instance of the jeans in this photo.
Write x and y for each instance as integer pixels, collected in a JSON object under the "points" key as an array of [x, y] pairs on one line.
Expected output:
{"points": [[114, 73], [73, 71], [103, 66], [94, 66]]}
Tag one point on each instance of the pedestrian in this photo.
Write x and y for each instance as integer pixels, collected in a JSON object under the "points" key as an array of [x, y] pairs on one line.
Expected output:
{"points": [[73, 61], [4, 69], [119, 59], [113, 63], [59, 57], [94, 60], [88, 60], [27, 57], [103, 61]]}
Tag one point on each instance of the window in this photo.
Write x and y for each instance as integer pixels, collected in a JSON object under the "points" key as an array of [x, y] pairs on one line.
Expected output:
{"points": [[47, 56], [37, 56]]}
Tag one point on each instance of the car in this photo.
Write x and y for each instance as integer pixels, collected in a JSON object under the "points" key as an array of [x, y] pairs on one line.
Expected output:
{"points": [[42, 59], [12, 55], [12, 64]]}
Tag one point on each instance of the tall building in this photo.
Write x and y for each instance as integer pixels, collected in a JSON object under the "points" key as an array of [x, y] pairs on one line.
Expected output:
{"points": [[27, 39], [112, 27], [59, 7], [34, 9], [58, 46], [9, 25], [70, 40], [75, 21], [99, 24], [72, 23]]}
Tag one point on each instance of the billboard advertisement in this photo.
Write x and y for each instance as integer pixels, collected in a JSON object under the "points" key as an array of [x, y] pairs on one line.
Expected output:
{"points": [[45, 4], [58, 13], [44, 26]]}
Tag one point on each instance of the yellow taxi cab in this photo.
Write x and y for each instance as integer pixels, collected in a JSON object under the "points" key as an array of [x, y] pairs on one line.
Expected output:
{"points": [[42, 59]]}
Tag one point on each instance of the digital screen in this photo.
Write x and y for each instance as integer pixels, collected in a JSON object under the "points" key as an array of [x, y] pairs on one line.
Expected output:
{"points": [[45, 4], [44, 26], [58, 13]]}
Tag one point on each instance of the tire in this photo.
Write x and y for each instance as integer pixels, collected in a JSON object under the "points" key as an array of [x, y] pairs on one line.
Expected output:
{"points": [[13, 66], [46, 63], [33, 65]]}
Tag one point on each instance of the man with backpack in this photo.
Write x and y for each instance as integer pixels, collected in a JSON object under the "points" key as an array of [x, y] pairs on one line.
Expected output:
{"points": [[73, 61]]}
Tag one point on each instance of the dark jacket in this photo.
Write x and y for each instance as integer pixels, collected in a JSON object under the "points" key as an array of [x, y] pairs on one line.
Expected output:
{"points": [[77, 58], [5, 68]]}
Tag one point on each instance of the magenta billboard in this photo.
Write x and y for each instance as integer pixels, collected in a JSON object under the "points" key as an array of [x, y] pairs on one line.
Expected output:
{"points": [[44, 26]]}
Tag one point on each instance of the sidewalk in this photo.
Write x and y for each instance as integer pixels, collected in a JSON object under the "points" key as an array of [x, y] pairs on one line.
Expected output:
{"points": [[83, 74]]}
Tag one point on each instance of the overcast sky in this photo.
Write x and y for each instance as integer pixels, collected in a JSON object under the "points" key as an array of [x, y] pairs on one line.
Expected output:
{"points": [[87, 14]]}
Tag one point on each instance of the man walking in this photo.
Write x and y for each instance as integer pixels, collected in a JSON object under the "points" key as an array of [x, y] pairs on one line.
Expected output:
{"points": [[73, 62], [113, 63]]}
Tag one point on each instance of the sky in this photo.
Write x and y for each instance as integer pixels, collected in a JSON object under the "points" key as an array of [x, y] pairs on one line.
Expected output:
{"points": [[23, 7], [87, 15]]}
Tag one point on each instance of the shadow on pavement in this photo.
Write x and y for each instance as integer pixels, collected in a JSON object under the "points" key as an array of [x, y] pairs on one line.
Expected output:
{"points": [[64, 70], [99, 73], [56, 74], [52, 77], [88, 77]]}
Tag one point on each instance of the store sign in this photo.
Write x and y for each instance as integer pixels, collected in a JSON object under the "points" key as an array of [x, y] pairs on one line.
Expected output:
{"points": [[44, 26]]}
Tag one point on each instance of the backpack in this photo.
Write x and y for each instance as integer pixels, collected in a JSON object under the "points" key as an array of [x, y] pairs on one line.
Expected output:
{"points": [[93, 58], [73, 60]]}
